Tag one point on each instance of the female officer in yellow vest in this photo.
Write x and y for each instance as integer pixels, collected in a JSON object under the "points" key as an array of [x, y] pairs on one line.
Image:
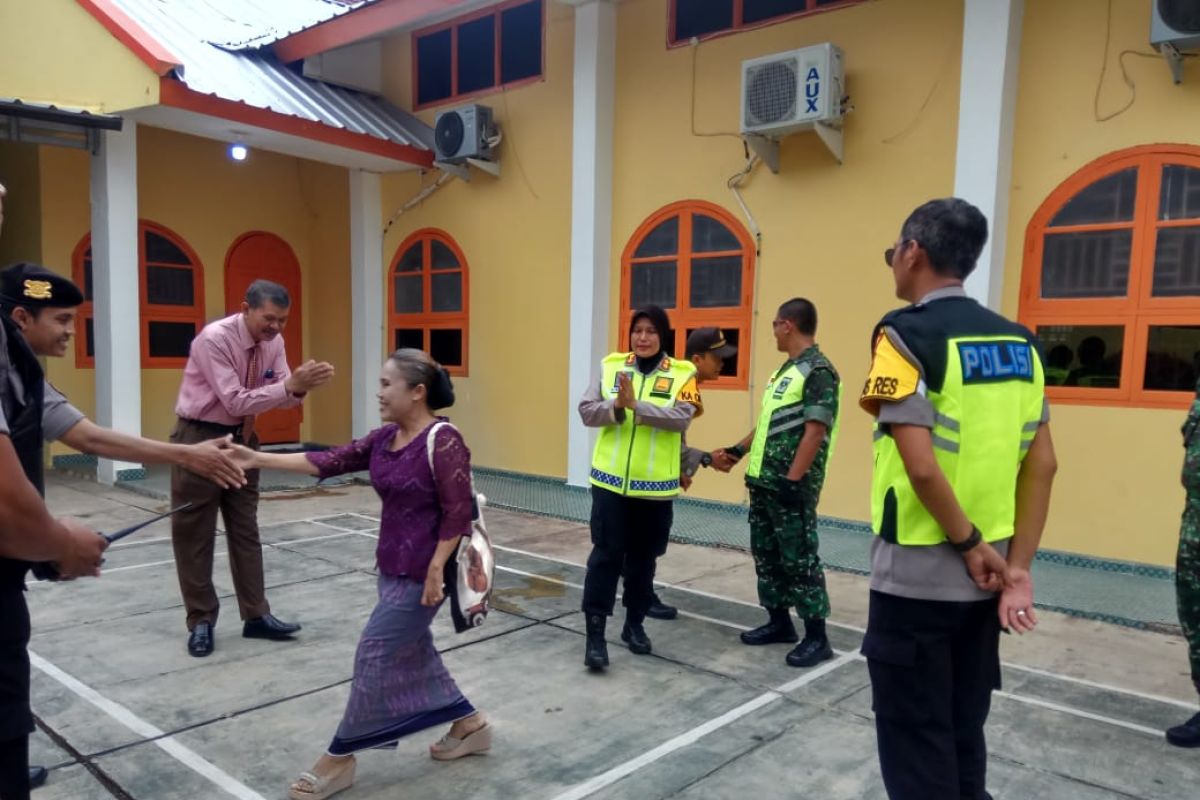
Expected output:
{"points": [[961, 487], [642, 403]]}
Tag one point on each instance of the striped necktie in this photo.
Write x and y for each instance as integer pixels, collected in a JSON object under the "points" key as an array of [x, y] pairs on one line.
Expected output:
{"points": [[253, 379]]}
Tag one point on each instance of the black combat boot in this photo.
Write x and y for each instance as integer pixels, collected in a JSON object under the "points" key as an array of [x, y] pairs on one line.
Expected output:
{"points": [[634, 635], [1187, 734], [660, 610], [814, 649], [778, 629], [595, 654]]}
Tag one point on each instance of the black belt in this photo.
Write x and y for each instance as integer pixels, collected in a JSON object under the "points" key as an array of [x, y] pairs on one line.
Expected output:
{"points": [[219, 427]]}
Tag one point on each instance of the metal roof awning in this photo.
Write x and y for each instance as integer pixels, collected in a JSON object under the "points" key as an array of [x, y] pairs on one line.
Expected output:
{"points": [[42, 123], [218, 80]]}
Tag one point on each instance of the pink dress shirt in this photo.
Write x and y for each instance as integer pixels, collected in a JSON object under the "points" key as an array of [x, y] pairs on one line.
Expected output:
{"points": [[215, 386]]}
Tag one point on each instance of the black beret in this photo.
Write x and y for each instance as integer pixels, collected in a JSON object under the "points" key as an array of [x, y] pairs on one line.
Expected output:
{"points": [[33, 286]]}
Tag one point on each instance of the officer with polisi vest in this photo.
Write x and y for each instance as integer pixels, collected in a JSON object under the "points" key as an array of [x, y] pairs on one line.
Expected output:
{"points": [[789, 452], [961, 487], [642, 403]]}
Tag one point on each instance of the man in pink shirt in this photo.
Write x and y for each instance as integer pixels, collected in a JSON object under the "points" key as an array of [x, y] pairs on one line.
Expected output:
{"points": [[236, 370]]}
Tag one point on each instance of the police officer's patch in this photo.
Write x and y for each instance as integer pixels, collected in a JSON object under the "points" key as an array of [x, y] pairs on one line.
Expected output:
{"points": [[892, 377], [995, 361], [690, 393], [662, 387]]}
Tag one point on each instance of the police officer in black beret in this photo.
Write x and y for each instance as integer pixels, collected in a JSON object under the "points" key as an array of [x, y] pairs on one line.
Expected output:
{"points": [[38, 308], [27, 533]]}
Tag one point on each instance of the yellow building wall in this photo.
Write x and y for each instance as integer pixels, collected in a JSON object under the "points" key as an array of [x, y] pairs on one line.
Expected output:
{"points": [[21, 238], [189, 185], [516, 235], [66, 218], [1117, 494], [327, 304], [53, 51], [824, 225]]}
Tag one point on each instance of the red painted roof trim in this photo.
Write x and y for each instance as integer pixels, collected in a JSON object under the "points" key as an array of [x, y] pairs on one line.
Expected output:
{"points": [[358, 24], [175, 94], [151, 52]]}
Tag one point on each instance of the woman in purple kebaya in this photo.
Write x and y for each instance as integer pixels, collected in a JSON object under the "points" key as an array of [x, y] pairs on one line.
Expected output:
{"points": [[400, 685]]}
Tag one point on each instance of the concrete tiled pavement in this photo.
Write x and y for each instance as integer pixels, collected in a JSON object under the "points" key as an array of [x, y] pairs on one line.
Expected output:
{"points": [[125, 712]]}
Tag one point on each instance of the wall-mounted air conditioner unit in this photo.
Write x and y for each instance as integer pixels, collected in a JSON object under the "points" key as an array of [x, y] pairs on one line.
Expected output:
{"points": [[1175, 26], [789, 92], [465, 135]]}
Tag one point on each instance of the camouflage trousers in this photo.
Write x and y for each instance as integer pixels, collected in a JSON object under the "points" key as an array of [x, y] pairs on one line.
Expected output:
{"points": [[784, 544], [1187, 579]]}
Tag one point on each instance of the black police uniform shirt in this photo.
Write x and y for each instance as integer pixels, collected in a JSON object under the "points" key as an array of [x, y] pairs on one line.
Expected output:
{"points": [[58, 415]]}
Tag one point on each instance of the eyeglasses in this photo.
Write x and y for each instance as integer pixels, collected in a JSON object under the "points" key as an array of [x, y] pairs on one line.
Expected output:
{"points": [[890, 253]]}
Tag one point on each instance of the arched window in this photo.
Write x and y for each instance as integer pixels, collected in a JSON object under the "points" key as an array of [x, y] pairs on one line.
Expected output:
{"points": [[171, 295], [696, 261], [1111, 280], [428, 298]]}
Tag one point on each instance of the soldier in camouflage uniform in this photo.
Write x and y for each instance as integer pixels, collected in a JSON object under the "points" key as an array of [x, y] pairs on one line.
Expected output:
{"points": [[789, 450], [1187, 567]]}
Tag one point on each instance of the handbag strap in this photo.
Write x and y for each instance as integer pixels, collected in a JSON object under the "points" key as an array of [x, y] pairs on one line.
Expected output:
{"points": [[430, 441]]}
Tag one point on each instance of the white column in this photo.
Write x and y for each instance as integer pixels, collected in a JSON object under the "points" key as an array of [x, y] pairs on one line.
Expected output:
{"points": [[117, 326], [367, 298], [591, 215], [986, 107]]}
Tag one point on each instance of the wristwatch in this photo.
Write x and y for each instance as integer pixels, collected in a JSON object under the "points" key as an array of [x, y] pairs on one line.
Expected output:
{"points": [[970, 542], [706, 459]]}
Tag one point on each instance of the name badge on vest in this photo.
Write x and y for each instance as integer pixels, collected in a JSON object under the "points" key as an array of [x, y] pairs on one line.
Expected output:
{"points": [[616, 386], [782, 387], [992, 362], [662, 387]]}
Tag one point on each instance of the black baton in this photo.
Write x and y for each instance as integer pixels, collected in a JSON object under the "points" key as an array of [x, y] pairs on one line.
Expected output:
{"points": [[121, 534], [46, 571]]}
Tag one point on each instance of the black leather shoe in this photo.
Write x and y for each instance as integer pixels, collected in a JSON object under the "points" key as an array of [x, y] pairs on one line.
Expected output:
{"points": [[595, 654], [810, 652], [267, 627], [635, 636], [780, 628], [37, 776], [1187, 734], [200, 642], [660, 610]]}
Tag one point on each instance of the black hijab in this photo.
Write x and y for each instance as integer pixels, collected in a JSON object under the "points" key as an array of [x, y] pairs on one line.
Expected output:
{"points": [[658, 318]]}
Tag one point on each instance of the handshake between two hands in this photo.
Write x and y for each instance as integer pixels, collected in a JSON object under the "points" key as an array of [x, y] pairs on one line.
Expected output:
{"points": [[722, 461]]}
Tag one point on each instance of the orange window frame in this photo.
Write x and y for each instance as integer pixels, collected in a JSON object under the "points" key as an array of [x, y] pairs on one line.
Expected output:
{"points": [[429, 320], [810, 7], [683, 316], [1138, 311], [147, 312], [453, 25]]}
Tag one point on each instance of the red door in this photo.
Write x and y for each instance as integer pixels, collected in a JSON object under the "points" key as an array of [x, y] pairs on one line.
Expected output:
{"points": [[264, 255]]}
